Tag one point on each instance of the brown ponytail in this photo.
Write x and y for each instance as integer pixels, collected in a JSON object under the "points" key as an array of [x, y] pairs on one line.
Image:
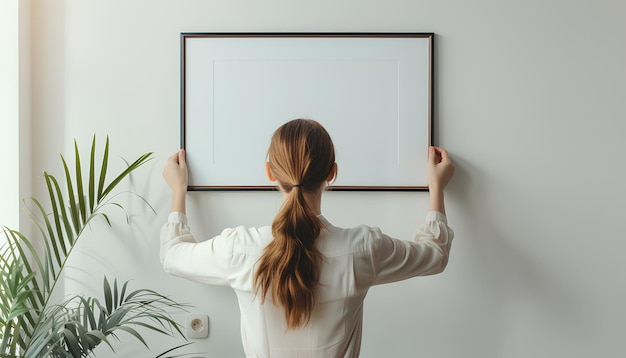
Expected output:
{"points": [[301, 157]]}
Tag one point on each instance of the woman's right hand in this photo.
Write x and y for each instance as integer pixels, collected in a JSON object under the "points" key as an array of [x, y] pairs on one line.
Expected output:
{"points": [[175, 172], [440, 168]]}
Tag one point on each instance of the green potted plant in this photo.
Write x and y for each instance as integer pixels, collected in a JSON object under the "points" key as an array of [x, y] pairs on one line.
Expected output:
{"points": [[31, 325]]}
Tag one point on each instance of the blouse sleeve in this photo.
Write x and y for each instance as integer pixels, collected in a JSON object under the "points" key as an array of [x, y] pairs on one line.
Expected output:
{"points": [[205, 262], [427, 254]]}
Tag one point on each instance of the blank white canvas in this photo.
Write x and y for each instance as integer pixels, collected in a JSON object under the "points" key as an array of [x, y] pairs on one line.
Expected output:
{"points": [[372, 94]]}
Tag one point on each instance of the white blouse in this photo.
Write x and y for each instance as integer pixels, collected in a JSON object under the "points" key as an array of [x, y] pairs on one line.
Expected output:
{"points": [[354, 259]]}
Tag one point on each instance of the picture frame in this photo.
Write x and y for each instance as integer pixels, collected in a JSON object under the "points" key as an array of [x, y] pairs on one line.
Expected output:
{"points": [[371, 91]]}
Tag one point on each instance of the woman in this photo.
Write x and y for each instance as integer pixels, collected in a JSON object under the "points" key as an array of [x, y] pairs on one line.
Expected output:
{"points": [[301, 282]]}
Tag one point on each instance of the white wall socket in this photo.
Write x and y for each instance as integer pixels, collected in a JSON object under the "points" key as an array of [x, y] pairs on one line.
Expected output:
{"points": [[197, 325]]}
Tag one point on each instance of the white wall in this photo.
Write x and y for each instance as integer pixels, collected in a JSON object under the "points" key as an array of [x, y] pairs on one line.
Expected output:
{"points": [[529, 101], [15, 104], [9, 115]]}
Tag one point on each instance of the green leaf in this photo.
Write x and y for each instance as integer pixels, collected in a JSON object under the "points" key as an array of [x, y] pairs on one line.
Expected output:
{"points": [[49, 262], [101, 338], [116, 318], [72, 199], [134, 333], [64, 218], [136, 164], [107, 296], [71, 342], [123, 293], [173, 349], [79, 184], [103, 170], [115, 297], [88, 314], [92, 178], [57, 240], [153, 327], [106, 218]]}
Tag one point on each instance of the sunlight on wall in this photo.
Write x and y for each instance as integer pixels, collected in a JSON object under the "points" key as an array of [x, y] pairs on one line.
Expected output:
{"points": [[9, 114]]}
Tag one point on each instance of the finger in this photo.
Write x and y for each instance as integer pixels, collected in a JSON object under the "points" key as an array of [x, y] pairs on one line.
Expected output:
{"points": [[444, 155], [432, 154], [438, 154], [181, 157]]}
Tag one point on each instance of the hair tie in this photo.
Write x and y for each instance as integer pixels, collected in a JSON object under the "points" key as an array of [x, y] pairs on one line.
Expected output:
{"points": [[296, 185]]}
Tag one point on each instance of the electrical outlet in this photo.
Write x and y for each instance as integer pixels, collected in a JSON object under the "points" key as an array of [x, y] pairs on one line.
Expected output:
{"points": [[197, 325]]}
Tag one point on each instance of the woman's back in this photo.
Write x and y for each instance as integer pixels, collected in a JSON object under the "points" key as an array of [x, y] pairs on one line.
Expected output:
{"points": [[334, 329]]}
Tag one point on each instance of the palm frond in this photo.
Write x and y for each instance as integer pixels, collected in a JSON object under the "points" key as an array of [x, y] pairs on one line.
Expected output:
{"points": [[79, 330], [19, 290]]}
